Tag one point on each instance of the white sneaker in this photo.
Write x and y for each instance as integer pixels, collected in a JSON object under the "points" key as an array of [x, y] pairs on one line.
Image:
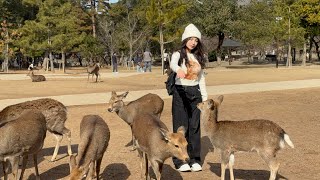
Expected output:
{"points": [[196, 167], [184, 168]]}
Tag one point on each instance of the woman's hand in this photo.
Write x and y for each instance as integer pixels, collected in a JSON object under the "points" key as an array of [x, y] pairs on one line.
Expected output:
{"points": [[181, 74]]}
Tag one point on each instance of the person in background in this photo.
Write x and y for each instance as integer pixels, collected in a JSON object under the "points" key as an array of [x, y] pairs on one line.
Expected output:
{"points": [[114, 63], [190, 89], [147, 60]]}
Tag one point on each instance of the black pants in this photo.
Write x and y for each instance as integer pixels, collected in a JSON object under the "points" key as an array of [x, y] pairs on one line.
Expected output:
{"points": [[185, 113]]}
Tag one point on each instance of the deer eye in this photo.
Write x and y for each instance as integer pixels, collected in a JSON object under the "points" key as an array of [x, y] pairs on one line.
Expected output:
{"points": [[176, 146]]}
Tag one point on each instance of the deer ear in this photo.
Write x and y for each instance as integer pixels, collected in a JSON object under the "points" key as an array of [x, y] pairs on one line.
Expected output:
{"points": [[210, 104], [124, 95], [220, 99], [113, 93], [181, 130], [165, 134], [72, 162]]}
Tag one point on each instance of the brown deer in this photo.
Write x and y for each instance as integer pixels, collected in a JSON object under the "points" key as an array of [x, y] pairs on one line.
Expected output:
{"points": [[149, 103], [263, 136], [36, 78], [21, 137], [95, 136], [55, 113], [156, 144], [94, 70]]}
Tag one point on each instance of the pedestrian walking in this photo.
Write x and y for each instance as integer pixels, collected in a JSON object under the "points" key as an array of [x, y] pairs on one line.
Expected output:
{"points": [[147, 60]]}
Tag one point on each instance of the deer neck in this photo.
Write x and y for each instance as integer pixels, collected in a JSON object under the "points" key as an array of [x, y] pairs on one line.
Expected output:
{"points": [[210, 120], [126, 114]]}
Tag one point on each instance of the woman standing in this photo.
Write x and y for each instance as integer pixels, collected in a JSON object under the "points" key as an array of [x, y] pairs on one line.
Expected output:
{"points": [[188, 62]]}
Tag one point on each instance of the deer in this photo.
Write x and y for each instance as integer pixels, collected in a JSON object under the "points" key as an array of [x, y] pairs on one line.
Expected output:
{"points": [[55, 114], [260, 135], [149, 103], [95, 136], [94, 70], [36, 78], [155, 143], [20, 137]]}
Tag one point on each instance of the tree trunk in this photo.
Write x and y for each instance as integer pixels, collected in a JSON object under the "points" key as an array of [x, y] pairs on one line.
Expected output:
{"points": [[93, 18], [63, 59], [161, 48], [304, 54]]}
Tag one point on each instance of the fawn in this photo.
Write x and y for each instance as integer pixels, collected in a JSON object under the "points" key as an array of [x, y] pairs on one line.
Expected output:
{"points": [[20, 137], [156, 144], [95, 136], [263, 136]]}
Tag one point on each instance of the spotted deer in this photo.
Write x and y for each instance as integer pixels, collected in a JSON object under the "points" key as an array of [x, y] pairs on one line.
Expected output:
{"points": [[95, 136], [155, 143], [55, 113], [94, 70], [20, 137], [263, 136], [149, 103], [36, 78]]}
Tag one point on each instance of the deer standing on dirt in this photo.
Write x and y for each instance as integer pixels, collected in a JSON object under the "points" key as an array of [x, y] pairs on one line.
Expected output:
{"points": [[36, 78], [94, 70], [21, 137], [156, 144], [55, 113], [263, 136], [95, 136], [149, 103]]}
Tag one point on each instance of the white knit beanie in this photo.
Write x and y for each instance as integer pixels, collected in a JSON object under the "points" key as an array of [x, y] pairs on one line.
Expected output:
{"points": [[191, 31]]}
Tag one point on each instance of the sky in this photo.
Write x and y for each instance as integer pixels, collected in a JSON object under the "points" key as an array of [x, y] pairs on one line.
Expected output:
{"points": [[113, 1]]}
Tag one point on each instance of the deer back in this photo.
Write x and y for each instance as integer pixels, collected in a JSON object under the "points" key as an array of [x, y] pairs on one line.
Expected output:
{"points": [[54, 111], [149, 103]]}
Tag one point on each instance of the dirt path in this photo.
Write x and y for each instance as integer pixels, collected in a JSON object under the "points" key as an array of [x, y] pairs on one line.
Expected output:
{"points": [[296, 110]]}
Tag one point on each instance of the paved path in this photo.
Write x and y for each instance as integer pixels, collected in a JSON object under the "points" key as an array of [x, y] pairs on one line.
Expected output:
{"points": [[100, 98]]}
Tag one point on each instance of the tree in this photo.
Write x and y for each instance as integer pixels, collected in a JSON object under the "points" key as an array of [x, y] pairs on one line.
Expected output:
{"points": [[214, 17], [163, 14], [309, 15], [59, 27]]}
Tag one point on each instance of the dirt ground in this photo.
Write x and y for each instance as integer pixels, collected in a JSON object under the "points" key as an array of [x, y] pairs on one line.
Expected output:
{"points": [[296, 111]]}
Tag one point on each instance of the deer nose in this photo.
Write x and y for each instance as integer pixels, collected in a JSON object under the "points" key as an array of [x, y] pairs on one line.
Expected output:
{"points": [[110, 109], [187, 159]]}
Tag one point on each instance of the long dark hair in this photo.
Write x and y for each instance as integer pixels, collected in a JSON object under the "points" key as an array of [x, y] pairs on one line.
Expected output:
{"points": [[197, 51]]}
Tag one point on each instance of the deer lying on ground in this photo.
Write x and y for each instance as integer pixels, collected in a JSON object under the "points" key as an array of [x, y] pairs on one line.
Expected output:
{"points": [[94, 70], [156, 144], [36, 78], [149, 103], [20, 137], [55, 113], [95, 136], [263, 136]]}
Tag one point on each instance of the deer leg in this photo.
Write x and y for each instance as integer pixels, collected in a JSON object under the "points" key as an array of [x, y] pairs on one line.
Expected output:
{"points": [[134, 147], [224, 162], [56, 149], [23, 167], [98, 167], [35, 163], [141, 156], [271, 160], [231, 163], [67, 133], [88, 76], [91, 171], [5, 169], [14, 166], [156, 169]]}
